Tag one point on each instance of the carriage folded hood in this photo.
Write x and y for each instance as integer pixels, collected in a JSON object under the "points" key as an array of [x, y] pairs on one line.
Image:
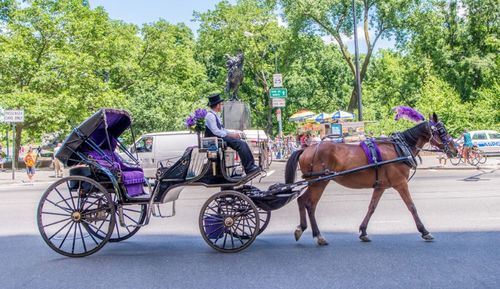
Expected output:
{"points": [[105, 122]]}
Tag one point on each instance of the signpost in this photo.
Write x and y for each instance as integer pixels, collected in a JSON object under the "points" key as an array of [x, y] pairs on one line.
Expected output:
{"points": [[13, 116], [277, 80], [280, 127], [278, 92], [278, 102]]}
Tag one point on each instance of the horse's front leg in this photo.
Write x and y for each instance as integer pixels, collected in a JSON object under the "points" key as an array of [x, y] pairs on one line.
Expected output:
{"points": [[405, 195], [377, 194], [316, 191], [302, 212]]}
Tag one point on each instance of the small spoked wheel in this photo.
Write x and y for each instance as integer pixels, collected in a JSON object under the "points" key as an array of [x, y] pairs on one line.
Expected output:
{"points": [[133, 215], [229, 221], [69, 213]]}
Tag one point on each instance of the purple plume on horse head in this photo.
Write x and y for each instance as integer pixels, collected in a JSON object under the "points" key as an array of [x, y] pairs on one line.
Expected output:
{"points": [[408, 113]]}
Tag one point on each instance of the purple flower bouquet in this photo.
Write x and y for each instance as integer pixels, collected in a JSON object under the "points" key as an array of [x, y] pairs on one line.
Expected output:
{"points": [[196, 121]]}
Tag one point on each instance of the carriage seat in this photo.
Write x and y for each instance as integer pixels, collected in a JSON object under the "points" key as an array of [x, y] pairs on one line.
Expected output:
{"points": [[132, 177]]}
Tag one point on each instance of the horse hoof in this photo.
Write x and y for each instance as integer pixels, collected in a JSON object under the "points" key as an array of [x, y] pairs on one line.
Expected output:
{"points": [[428, 237], [321, 241], [298, 234], [364, 238]]}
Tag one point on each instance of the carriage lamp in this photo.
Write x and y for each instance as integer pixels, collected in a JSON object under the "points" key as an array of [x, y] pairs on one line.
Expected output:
{"points": [[212, 155]]}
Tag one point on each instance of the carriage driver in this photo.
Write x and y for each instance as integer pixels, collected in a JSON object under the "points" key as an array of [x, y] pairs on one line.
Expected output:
{"points": [[214, 128]]}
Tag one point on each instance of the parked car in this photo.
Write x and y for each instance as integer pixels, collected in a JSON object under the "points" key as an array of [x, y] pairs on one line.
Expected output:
{"points": [[487, 141]]}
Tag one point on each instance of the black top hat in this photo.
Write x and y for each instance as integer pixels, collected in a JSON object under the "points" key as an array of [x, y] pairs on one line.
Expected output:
{"points": [[214, 99]]}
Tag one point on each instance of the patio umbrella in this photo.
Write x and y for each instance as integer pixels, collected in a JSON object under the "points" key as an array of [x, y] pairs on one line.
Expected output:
{"points": [[340, 114], [301, 115], [321, 117]]}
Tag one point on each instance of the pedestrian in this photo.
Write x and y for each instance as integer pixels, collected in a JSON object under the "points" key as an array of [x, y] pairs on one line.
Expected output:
{"points": [[30, 161], [58, 166], [2, 158]]}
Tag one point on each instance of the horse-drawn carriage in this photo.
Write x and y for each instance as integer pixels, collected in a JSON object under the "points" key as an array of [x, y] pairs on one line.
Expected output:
{"points": [[106, 197]]}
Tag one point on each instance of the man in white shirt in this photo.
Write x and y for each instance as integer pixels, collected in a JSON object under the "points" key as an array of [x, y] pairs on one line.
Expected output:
{"points": [[214, 128]]}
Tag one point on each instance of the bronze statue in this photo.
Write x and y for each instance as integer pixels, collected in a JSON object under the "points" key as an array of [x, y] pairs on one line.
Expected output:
{"points": [[234, 74]]}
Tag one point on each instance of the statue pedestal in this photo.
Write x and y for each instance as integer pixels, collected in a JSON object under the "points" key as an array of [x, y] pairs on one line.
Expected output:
{"points": [[236, 115]]}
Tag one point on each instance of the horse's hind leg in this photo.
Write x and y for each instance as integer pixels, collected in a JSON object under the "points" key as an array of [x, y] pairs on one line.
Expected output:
{"points": [[302, 212], [405, 195], [377, 194]]}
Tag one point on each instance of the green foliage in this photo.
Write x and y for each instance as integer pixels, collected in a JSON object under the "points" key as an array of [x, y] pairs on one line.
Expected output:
{"points": [[60, 61]]}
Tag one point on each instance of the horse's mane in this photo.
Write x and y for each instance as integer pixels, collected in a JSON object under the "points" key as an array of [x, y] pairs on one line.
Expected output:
{"points": [[412, 135]]}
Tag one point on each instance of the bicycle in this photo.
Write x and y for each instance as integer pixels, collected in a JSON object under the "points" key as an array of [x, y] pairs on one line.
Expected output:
{"points": [[475, 157]]}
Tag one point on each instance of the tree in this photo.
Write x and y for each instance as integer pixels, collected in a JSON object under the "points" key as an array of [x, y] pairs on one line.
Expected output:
{"points": [[334, 18], [167, 83], [312, 70], [249, 26], [55, 63]]}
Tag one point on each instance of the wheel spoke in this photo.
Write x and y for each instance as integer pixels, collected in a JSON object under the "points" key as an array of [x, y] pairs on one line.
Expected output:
{"points": [[135, 211], [69, 210], [93, 203], [74, 239], [71, 194], [117, 229], [65, 200], [50, 238], [97, 229], [67, 233], [90, 234], [130, 218], [57, 222], [55, 214], [83, 239]]}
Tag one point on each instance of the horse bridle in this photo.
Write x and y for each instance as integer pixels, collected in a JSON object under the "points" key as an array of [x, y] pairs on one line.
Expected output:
{"points": [[439, 131]]}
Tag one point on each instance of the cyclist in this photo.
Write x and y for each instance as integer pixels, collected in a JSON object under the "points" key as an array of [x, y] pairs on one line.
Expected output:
{"points": [[467, 144]]}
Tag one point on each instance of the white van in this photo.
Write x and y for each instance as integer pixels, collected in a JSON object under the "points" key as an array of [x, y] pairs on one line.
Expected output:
{"points": [[162, 147]]}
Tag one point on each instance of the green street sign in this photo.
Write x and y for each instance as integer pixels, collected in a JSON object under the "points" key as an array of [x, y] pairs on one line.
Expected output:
{"points": [[278, 92]]}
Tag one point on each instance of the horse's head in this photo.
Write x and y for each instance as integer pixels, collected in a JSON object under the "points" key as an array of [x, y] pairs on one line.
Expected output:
{"points": [[440, 137]]}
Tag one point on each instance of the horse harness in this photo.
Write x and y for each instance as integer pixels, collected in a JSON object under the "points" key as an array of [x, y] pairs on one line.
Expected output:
{"points": [[373, 155]]}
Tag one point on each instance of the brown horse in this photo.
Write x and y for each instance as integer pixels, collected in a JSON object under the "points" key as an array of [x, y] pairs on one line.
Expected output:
{"points": [[333, 157]]}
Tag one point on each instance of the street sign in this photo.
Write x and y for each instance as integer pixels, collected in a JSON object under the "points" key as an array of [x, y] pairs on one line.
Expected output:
{"points": [[278, 102], [13, 116], [277, 80], [278, 92], [1, 114]]}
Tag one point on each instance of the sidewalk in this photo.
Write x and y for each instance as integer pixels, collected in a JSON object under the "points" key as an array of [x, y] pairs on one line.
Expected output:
{"points": [[430, 162], [41, 176]]}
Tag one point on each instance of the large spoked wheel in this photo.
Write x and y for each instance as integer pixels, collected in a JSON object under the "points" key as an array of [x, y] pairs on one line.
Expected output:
{"points": [[133, 216], [264, 216], [68, 209], [229, 221]]}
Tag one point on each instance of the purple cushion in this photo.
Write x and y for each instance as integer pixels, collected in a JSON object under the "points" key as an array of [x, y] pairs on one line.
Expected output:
{"points": [[133, 181], [132, 177]]}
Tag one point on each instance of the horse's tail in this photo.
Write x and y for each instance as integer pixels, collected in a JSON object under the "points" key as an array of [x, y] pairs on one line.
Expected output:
{"points": [[291, 166]]}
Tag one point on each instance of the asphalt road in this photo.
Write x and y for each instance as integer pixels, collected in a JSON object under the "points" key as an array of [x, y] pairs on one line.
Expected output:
{"points": [[460, 208]]}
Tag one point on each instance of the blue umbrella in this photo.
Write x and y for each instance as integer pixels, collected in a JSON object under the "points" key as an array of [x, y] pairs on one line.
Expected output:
{"points": [[321, 117], [340, 114]]}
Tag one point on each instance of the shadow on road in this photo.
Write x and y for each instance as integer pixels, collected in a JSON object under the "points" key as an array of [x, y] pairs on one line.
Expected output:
{"points": [[454, 260], [478, 177]]}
